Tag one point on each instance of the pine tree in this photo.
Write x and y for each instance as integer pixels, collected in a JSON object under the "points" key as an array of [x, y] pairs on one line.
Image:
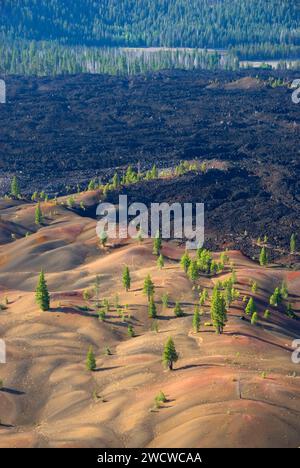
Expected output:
{"points": [[103, 238], [228, 296], [185, 261], [254, 318], [38, 214], [203, 297], [267, 314], [115, 181], [152, 312], [178, 310], [126, 279], [148, 288], [165, 300], [91, 360], [42, 295], [92, 185], [276, 298], [218, 311], [263, 257], [250, 308], [289, 311], [170, 355], [284, 291], [130, 331], [157, 245], [293, 243], [160, 262], [193, 271], [196, 319], [15, 189]]}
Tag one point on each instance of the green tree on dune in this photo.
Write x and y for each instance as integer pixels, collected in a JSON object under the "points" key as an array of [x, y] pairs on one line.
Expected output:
{"points": [[15, 189], [160, 262], [170, 355], [263, 257], [148, 288], [38, 217], [91, 360], [218, 311], [196, 319], [126, 279], [42, 295], [185, 261], [250, 308], [157, 245], [152, 312], [293, 243]]}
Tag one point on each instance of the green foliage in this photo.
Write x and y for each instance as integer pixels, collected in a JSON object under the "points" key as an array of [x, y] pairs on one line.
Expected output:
{"points": [[267, 314], [115, 181], [15, 189], [254, 318], [196, 319], [159, 399], [178, 310], [290, 312], [160, 262], [254, 287], [157, 245], [263, 257], [218, 311], [151, 23], [293, 244], [92, 185], [165, 300], [130, 331], [185, 261], [193, 271], [204, 260], [152, 311], [170, 355], [148, 288], [42, 295], [103, 238], [250, 308], [126, 279], [91, 360], [203, 297], [38, 217], [276, 298], [101, 315], [284, 291]]}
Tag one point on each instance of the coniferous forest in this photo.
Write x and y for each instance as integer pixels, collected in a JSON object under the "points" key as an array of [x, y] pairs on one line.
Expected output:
{"points": [[58, 36]]}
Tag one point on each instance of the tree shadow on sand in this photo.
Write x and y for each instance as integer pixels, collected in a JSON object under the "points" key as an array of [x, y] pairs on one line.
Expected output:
{"points": [[11, 391]]}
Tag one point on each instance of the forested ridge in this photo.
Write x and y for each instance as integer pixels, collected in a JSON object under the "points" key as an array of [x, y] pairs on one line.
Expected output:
{"points": [[62, 36], [175, 23]]}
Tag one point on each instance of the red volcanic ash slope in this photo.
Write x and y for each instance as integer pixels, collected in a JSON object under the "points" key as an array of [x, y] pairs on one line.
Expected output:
{"points": [[240, 389]]}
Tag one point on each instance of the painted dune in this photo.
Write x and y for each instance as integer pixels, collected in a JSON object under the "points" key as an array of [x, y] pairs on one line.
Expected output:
{"points": [[240, 389]]}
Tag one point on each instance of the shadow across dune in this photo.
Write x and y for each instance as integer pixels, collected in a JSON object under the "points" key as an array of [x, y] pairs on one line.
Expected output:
{"points": [[72, 311], [11, 391], [259, 339], [103, 369]]}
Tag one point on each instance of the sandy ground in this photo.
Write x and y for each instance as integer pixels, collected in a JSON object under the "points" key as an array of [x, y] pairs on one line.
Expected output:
{"points": [[240, 389]]}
